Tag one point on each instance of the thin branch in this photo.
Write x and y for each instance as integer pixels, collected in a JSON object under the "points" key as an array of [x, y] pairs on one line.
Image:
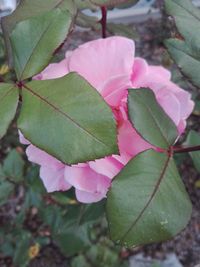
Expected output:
{"points": [[177, 150], [103, 21]]}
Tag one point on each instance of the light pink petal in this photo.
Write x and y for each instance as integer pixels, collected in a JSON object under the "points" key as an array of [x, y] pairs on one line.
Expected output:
{"points": [[53, 71], [22, 139], [154, 77], [170, 104], [139, 72], [108, 166], [187, 105], [115, 90], [130, 142], [161, 72], [85, 179], [123, 158], [53, 179], [181, 126], [86, 197], [100, 60], [40, 157]]}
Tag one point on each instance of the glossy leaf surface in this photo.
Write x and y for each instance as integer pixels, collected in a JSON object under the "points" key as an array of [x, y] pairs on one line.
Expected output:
{"points": [[68, 118], [149, 119], [34, 41], [147, 201]]}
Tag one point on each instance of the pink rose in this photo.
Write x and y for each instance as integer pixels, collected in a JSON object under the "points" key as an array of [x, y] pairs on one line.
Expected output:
{"points": [[111, 67]]}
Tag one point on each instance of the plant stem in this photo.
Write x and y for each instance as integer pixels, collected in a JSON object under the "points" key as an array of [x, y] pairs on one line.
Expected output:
{"points": [[186, 149], [103, 21]]}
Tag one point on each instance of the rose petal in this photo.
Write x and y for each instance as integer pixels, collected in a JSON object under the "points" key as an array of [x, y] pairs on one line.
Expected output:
{"points": [[22, 139], [40, 157], [108, 166], [53, 71], [86, 197], [53, 179], [100, 60], [130, 142], [85, 179]]}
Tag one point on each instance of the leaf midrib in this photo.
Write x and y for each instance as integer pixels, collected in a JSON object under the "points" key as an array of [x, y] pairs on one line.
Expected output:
{"points": [[64, 114], [36, 45], [182, 50], [7, 93], [149, 201], [155, 121]]}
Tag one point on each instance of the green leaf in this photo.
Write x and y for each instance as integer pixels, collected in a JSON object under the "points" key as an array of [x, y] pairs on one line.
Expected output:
{"points": [[31, 8], [72, 240], [34, 41], [80, 261], [2, 174], [67, 118], [185, 52], [8, 105], [13, 166], [193, 139], [149, 119], [92, 212], [186, 57], [67, 232], [186, 16], [6, 188], [147, 201], [21, 257]]}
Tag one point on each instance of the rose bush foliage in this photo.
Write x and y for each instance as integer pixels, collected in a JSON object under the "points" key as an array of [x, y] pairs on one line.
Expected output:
{"points": [[111, 67]]}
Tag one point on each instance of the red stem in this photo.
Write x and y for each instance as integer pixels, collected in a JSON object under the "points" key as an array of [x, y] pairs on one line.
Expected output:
{"points": [[103, 21], [186, 149]]}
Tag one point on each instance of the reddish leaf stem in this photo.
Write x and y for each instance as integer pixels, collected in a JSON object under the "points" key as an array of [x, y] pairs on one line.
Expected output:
{"points": [[103, 21], [186, 149]]}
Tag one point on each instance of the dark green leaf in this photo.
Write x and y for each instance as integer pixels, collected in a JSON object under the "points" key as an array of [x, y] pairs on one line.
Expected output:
{"points": [[33, 180], [2, 174], [8, 105], [34, 41], [67, 118], [149, 119], [72, 240], [21, 257], [52, 216], [109, 257], [13, 166], [93, 212], [7, 248], [6, 188], [193, 139], [63, 198], [80, 261], [147, 201]]}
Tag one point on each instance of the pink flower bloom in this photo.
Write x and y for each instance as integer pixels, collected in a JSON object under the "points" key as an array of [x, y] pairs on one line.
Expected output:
{"points": [[111, 67]]}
